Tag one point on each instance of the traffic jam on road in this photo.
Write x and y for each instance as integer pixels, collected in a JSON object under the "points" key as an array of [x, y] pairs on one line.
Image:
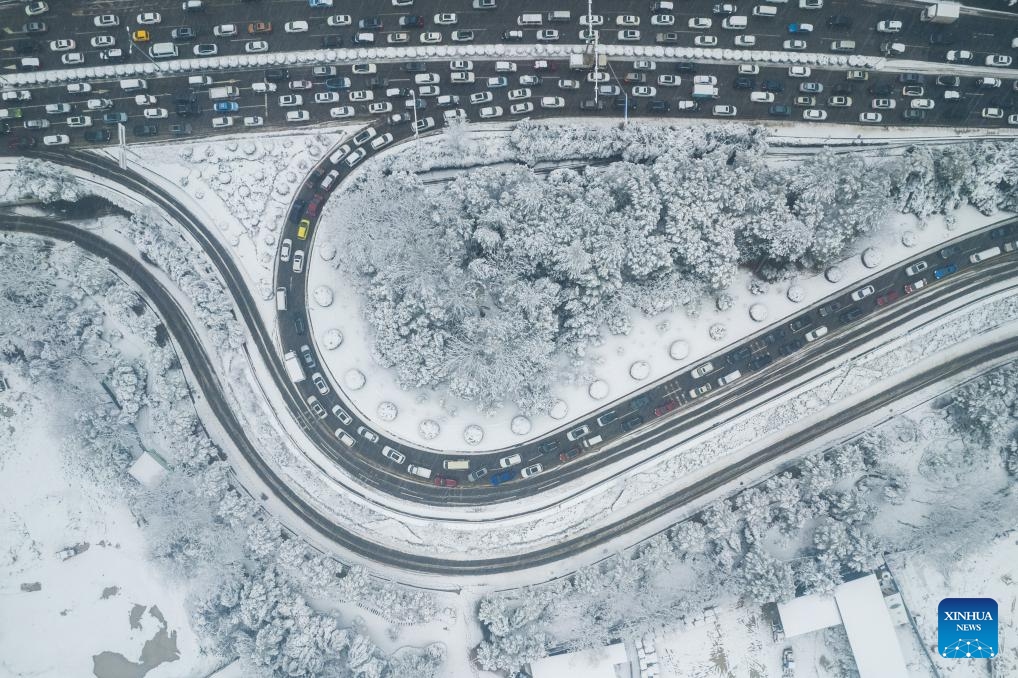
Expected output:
{"points": [[399, 100], [225, 98]]}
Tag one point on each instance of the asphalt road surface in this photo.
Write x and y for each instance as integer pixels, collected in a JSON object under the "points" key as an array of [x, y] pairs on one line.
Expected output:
{"points": [[981, 34], [178, 325]]}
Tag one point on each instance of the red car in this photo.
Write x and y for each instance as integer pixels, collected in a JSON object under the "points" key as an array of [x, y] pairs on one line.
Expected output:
{"points": [[442, 481], [569, 455], [312, 210], [887, 298], [913, 286], [664, 408]]}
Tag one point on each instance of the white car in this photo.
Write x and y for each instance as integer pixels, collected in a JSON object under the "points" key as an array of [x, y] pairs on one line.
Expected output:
{"points": [[79, 121], [552, 102], [56, 140], [796, 45], [461, 65], [427, 79], [889, 26], [72, 58], [700, 24], [339, 20], [326, 97], [149, 18], [645, 65], [298, 116], [644, 91], [745, 40], [62, 45], [569, 84], [724, 111], [106, 21], [298, 261], [491, 112], [521, 108], [56, 109], [256, 46], [155, 113], [799, 71], [811, 4], [295, 27], [705, 41], [521, 93], [263, 87], [362, 95], [668, 80], [922, 104], [341, 112], [431, 38], [959, 55], [102, 41], [79, 88], [628, 35], [814, 114], [225, 30], [548, 35], [627, 21], [446, 19], [289, 100], [531, 470], [992, 113], [813, 335], [595, 20], [144, 100], [749, 69], [1001, 60], [662, 20], [862, 293], [222, 121], [380, 107], [384, 140], [762, 97], [258, 121], [398, 38], [511, 460]]}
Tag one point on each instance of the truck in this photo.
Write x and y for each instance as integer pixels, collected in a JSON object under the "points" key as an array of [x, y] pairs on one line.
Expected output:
{"points": [[984, 255], [293, 367], [224, 92], [941, 13], [585, 61], [705, 92]]}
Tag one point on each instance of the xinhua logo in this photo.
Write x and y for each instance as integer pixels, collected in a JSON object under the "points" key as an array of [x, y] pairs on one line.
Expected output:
{"points": [[967, 628]]}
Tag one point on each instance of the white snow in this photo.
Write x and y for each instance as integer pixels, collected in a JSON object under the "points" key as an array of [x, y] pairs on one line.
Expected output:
{"points": [[870, 632], [806, 614], [599, 662], [147, 470]]}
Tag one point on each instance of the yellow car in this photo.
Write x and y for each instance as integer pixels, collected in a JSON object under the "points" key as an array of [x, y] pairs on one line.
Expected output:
{"points": [[141, 36], [302, 229]]}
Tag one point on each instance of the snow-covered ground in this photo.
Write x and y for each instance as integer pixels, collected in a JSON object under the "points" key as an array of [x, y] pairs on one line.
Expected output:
{"points": [[104, 600]]}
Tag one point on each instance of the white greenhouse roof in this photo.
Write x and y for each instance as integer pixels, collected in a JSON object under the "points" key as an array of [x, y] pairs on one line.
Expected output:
{"points": [[599, 662], [806, 614]]}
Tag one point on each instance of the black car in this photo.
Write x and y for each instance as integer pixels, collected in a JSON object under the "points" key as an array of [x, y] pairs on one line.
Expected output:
{"points": [[114, 118], [779, 111], [371, 23], [791, 347], [298, 325], [801, 323], [298, 210], [35, 27], [276, 74], [660, 106], [772, 86], [841, 88], [5, 128], [839, 21], [622, 102], [98, 136], [913, 115], [950, 251], [179, 130], [998, 233], [569, 455], [548, 446], [942, 38], [641, 401], [739, 354], [881, 90], [851, 314], [685, 67], [631, 422], [21, 143], [591, 105], [331, 41], [415, 67], [744, 82], [183, 34], [146, 130], [948, 81], [26, 47], [832, 307], [911, 79], [377, 82], [761, 361], [187, 106]]}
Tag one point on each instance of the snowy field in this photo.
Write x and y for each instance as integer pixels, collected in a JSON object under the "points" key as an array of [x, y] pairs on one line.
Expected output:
{"points": [[103, 601]]}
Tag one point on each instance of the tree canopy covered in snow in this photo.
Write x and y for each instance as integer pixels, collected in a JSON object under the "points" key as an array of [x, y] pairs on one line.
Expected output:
{"points": [[489, 284]]}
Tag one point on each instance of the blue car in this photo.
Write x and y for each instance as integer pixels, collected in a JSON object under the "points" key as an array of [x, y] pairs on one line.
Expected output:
{"points": [[944, 272], [800, 28], [503, 477], [226, 106], [314, 4]]}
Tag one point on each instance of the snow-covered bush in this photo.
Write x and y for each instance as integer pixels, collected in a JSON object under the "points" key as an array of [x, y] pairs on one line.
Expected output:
{"points": [[834, 274], [559, 409], [44, 181], [323, 296], [387, 411], [717, 331], [679, 349], [758, 312], [796, 293], [354, 379], [639, 370], [429, 429], [871, 257], [332, 339], [473, 434], [598, 389], [520, 425]]}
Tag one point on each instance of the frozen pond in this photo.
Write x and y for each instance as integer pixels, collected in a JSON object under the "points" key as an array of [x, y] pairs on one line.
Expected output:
{"points": [[162, 647]]}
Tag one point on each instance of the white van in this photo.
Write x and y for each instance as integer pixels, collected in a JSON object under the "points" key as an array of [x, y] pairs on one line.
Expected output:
{"points": [[419, 471], [592, 441], [133, 84], [163, 50], [765, 10], [456, 464], [199, 80], [735, 23], [984, 255], [662, 7], [729, 378], [505, 67], [280, 298], [843, 46], [529, 20], [560, 16]]}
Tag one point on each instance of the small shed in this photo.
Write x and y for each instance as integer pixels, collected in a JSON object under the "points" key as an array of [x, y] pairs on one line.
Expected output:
{"points": [[148, 469]]}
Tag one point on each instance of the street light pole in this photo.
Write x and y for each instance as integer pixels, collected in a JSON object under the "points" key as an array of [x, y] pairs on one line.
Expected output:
{"points": [[413, 97], [131, 45]]}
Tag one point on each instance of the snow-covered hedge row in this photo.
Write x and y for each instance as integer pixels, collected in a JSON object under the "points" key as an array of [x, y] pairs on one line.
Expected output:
{"points": [[340, 56], [487, 284]]}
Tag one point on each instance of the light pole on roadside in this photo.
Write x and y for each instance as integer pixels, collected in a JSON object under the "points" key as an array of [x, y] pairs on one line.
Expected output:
{"points": [[413, 97]]}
